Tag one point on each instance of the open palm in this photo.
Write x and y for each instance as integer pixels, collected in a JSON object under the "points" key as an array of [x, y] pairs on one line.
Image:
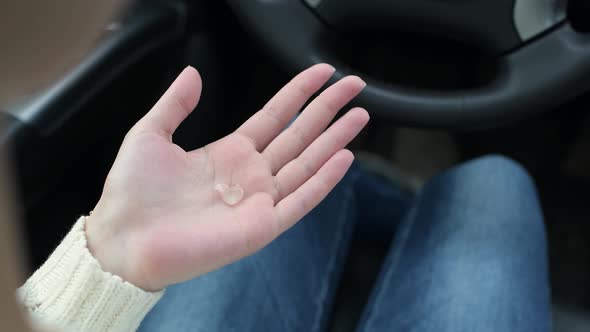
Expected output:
{"points": [[159, 205]]}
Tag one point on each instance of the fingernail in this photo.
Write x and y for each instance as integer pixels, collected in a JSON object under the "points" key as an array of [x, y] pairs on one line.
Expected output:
{"points": [[364, 84]]}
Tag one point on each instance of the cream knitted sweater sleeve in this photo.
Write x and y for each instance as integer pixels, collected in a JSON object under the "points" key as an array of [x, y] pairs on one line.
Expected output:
{"points": [[71, 292]]}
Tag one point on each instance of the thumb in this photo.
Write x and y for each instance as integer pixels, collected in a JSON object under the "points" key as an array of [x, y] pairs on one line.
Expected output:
{"points": [[175, 105]]}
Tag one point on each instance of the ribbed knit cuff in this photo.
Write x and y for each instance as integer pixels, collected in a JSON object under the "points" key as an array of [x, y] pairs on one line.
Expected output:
{"points": [[71, 291]]}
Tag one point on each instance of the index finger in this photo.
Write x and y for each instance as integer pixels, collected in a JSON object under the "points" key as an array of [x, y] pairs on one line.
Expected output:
{"points": [[266, 124]]}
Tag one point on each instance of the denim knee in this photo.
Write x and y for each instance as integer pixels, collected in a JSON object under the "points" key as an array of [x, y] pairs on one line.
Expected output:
{"points": [[470, 256], [492, 175], [491, 197]]}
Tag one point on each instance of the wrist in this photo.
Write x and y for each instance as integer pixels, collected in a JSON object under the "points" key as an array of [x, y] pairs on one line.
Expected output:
{"points": [[102, 244], [109, 243], [112, 235], [71, 287]]}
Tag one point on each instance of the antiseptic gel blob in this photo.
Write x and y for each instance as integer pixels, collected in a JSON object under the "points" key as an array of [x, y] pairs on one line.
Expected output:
{"points": [[230, 195]]}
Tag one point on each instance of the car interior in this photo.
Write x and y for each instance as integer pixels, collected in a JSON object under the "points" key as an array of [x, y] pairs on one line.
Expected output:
{"points": [[448, 81]]}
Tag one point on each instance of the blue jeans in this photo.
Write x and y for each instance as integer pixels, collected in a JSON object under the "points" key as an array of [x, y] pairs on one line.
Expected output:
{"points": [[469, 254]]}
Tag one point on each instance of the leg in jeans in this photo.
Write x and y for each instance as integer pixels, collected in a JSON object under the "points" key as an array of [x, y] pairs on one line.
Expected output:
{"points": [[470, 256], [287, 286]]}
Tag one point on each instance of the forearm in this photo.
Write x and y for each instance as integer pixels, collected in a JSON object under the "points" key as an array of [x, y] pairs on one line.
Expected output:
{"points": [[71, 291]]}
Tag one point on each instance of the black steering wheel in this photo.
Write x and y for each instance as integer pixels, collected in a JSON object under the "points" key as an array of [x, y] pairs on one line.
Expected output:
{"points": [[542, 60]]}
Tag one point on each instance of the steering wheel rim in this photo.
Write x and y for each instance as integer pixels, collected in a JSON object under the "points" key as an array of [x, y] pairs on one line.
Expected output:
{"points": [[533, 77]]}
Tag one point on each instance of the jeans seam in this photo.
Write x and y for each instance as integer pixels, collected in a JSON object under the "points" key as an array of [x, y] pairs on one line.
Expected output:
{"points": [[332, 263], [392, 268]]}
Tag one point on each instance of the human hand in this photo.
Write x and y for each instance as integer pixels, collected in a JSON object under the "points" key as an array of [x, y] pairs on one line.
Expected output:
{"points": [[160, 220]]}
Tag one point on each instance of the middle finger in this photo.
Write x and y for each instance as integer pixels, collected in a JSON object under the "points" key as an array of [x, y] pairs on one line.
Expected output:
{"points": [[312, 122]]}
